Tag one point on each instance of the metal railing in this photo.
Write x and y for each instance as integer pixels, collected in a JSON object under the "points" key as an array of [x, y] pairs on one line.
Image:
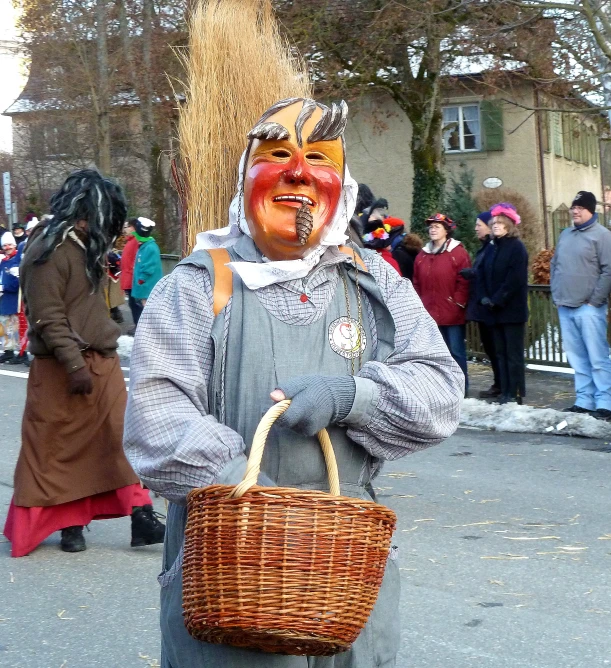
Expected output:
{"points": [[168, 262], [543, 344]]}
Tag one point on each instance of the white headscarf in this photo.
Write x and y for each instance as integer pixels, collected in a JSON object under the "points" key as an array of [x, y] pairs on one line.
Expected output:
{"points": [[258, 275]]}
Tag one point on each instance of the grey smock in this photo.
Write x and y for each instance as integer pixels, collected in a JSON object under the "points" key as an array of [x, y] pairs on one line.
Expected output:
{"points": [[260, 339]]}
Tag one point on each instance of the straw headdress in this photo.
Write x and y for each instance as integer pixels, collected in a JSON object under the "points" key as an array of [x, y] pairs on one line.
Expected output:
{"points": [[238, 65]]}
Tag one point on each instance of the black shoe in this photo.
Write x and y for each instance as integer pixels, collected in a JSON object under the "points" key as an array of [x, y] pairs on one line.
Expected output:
{"points": [[6, 356], [73, 539], [490, 393], [507, 399], [577, 409], [146, 528], [17, 359], [601, 414]]}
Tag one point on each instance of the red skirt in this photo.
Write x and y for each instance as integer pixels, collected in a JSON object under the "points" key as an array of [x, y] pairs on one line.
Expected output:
{"points": [[26, 528]]}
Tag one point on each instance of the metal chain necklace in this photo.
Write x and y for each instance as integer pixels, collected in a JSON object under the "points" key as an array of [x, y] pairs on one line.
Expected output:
{"points": [[342, 273]]}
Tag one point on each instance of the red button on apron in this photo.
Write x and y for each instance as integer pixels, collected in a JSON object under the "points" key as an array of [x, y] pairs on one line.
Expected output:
{"points": [[304, 298]]}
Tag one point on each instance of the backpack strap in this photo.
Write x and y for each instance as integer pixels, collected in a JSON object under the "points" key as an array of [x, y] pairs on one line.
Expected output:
{"points": [[350, 252], [223, 279]]}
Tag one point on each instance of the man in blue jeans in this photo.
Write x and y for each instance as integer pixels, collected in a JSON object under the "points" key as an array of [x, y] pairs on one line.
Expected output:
{"points": [[581, 282]]}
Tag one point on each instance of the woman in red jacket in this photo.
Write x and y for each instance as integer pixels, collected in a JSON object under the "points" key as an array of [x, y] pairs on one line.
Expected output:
{"points": [[128, 260], [444, 292]]}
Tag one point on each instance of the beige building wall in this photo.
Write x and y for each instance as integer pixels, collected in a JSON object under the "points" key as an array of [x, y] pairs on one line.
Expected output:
{"points": [[378, 153], [517, 164], [564, 178]]}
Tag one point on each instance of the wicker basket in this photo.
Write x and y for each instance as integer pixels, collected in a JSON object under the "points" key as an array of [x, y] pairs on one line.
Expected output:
{"points": [[279, 569]]}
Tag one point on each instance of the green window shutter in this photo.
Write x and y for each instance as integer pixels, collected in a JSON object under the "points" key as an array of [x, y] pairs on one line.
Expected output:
{"points": [[566, 137], [557, 133], [492, 124], [585, 144], [594, 141]]}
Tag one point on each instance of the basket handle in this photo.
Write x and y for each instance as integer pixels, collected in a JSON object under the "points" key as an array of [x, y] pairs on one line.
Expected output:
{"points": [[258, 445]]}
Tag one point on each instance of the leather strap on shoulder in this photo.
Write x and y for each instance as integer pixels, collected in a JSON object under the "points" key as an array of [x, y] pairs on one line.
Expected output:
{"points": [[223, 279], [350, 252]]}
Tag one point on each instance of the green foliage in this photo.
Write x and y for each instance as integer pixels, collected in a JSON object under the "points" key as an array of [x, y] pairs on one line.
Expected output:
{"points": [[428, 188], [463, 209]]}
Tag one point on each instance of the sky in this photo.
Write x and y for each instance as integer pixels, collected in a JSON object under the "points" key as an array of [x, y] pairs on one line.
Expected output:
{"points": [[13, 68]]}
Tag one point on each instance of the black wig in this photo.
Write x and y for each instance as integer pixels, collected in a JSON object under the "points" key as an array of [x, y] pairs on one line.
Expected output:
{"points": [[86, 195]]}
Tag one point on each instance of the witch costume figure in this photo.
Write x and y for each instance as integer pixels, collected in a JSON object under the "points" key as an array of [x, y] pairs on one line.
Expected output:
{"points": [[71, 467], [333, 328]]}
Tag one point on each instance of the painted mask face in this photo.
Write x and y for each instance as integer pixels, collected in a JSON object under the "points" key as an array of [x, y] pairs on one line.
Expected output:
{"points": [[289, 188]]}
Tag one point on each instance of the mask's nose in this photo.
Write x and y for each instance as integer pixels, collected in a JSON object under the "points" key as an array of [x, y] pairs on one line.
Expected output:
{"points": [[297, 172]]}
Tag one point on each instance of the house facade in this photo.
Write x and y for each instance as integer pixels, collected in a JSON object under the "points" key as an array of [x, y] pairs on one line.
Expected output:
{"points": [[544, 156]]}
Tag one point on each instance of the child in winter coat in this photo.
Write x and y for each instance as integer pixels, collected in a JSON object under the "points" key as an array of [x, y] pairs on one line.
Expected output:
{"points": [[147, 269], [9, 301]]}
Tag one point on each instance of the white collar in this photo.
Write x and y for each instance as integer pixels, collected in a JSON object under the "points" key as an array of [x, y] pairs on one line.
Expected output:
{"points": [[258, 275], [450, 245]]}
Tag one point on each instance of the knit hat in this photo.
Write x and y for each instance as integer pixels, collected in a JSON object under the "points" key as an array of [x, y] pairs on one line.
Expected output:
{"points": [[508, 210], [485, 217], [7, 238], [444, 220], [144, 227], [585, 199]]}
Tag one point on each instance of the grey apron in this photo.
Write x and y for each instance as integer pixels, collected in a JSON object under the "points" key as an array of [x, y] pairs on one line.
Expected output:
{"points": [[255, 354]]}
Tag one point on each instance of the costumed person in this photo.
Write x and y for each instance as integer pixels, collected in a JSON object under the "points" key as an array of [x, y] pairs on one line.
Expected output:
{"points": [[364, 199], [505, 299], [147, 268], [442, 288], [339, 333], [380, 230], [71, 467], [9, 298], [405, 253], [475, 311], [128, 260]]}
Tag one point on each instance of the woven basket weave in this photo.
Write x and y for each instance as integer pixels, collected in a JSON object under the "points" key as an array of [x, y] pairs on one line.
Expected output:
{"points": [[279, 569]]}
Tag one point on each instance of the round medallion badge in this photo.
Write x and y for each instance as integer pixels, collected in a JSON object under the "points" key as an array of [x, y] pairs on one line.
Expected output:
{"points": [[347, 338]]}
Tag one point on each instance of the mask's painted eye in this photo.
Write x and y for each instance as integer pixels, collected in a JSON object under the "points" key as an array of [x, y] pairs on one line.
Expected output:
{"points": [[281, 153], [314, 155]]}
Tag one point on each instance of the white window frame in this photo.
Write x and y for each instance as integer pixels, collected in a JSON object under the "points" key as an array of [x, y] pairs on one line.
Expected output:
{"points": [[461, 135]]}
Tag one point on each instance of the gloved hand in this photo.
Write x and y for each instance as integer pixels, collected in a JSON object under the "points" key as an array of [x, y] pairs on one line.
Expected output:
{"points": [[13, 271], [316, 402], [486, 301], [468, 273], [80, 382]]}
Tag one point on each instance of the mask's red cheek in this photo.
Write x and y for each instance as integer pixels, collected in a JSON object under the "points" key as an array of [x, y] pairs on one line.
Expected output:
{"points": [[329, 186], [260, 182]]}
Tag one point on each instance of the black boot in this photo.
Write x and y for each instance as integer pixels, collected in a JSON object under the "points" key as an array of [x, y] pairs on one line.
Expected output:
{"points": [[6, 356], [146, 528], [73, 539], [491, 392], [18, 359]]}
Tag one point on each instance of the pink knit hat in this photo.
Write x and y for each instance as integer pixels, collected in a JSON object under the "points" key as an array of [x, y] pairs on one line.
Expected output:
{"points": [[506, 209]]}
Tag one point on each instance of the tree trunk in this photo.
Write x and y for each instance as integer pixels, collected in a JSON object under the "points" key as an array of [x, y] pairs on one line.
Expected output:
{"points": [[153, 148], [103, 120], [427, 159]]}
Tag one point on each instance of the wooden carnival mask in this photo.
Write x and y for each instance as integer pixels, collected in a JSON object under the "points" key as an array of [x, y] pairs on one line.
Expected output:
{"points": [[293, 176]]}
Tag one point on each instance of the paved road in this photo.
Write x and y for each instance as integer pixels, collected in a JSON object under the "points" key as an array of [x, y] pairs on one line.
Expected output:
{"points": [[505, 545]]}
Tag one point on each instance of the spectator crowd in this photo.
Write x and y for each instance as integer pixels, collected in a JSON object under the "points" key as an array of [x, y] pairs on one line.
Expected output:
{"points": [[492, 290]]}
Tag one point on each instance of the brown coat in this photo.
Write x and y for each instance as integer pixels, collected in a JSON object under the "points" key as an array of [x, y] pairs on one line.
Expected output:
{"points": [[64, 317], [72, 444]]}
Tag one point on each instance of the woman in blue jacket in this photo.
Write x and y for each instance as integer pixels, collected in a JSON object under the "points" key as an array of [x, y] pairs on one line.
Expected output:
{"points": [[9, 302], [147, 269]]}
